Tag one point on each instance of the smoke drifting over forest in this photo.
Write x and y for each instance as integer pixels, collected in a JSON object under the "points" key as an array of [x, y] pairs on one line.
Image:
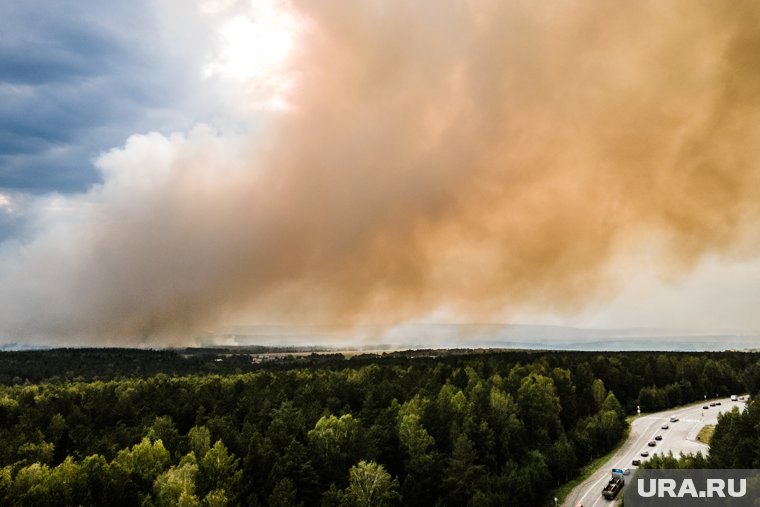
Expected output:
{"points": [[481, 157]]}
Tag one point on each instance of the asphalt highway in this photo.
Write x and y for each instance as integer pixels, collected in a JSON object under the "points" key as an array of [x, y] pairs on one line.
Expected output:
{"points": [[680, 437]]}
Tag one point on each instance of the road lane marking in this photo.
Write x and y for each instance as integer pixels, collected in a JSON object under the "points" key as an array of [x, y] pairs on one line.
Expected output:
{"points": [[617, 456], [633, 451]]}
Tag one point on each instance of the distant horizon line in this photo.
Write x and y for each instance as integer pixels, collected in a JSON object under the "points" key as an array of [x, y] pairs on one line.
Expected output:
{"points": [[420, 335], [371, 348], [706, 331]]}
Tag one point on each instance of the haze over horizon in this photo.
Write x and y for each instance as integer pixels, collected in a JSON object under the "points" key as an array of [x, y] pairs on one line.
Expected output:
{"points": [[172, 168], [417, 335]]}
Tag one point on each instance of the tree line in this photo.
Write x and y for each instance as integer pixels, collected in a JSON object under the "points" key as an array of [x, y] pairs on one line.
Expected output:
{"points": [[495, 428]]}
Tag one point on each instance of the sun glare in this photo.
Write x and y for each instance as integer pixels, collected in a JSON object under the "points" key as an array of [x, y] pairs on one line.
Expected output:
{"points": [[253, 49]]}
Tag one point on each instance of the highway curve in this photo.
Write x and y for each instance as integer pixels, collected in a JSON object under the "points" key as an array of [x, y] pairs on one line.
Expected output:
{"points": [[680, 437]]}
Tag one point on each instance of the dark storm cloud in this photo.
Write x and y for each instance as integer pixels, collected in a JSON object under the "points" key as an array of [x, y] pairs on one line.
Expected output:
{"points": [[76, 78]]}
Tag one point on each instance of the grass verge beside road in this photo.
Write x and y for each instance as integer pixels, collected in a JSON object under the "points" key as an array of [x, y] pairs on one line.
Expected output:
{"points": [[706, 433]]}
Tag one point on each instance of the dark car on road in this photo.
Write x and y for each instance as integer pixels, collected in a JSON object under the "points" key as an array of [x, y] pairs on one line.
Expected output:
{"points": [[652, 443], [636, 462], [705, 407], [644, 453], [658, 437]]}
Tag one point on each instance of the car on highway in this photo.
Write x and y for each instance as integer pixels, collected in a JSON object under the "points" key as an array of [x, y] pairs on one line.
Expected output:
{"points": [[664, 426], [658, 437], [636, 462], [626, 471], [717, 403], [712, 404], [652, 443], [644, 453], [705, 407], [674, 419]]}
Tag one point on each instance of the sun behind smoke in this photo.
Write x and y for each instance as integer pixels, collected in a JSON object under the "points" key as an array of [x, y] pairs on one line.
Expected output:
{"points": [[254, 46]]}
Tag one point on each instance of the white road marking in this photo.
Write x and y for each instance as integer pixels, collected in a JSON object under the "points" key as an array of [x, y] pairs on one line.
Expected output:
{"points": [[644, 429]]}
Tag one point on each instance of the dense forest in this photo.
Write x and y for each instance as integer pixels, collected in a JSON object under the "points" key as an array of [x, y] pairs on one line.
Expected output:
{"points": [[125, 427]]}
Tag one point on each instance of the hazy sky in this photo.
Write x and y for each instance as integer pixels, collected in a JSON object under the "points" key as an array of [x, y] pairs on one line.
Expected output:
{"points": [[168, 167]]}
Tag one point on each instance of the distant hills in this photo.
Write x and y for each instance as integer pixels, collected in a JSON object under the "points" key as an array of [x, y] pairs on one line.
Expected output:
{"points": [[520, 336], [16, 347], [453, 336]]}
